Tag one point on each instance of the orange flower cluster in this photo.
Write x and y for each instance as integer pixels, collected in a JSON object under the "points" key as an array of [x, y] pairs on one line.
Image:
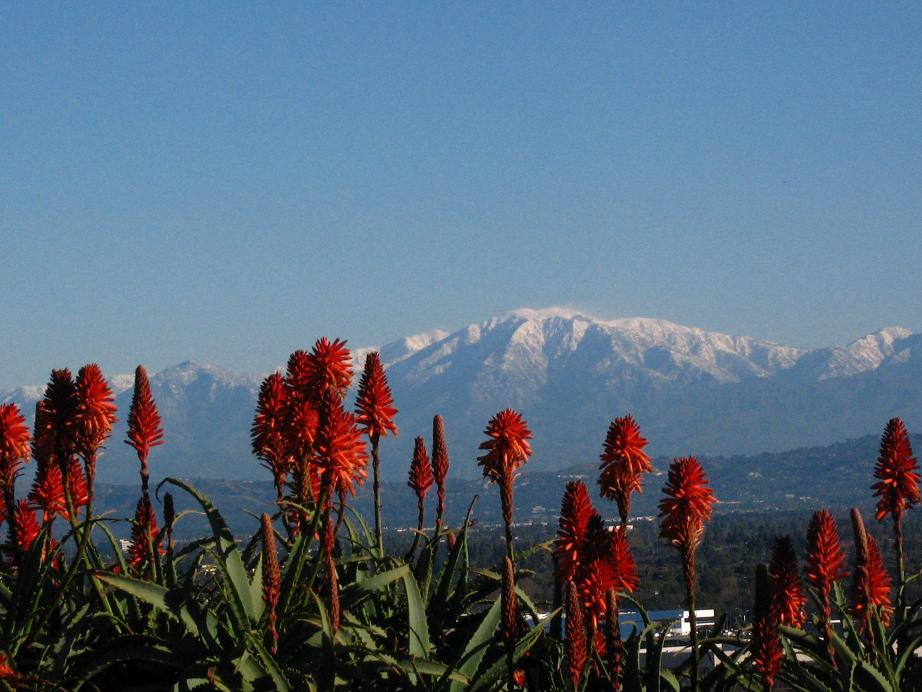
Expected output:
{"points": [[896, 471], [143, 534], [688, 504], [95, 411], [300, 425], [374, 404], [623, 463], [145, 430], [507, 447], [591, 558], [269, 431], [785, 578], [14, 450]]}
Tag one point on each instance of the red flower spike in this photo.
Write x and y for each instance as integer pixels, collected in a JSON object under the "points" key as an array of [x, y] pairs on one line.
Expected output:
{"points": [[340, 454], [143, 531], [577, 649], [272, 580], [624, 443], [420, 475], [871, 587], [24, 527], [270, 428], [575, 510], [144, 427], [897, 471], [688, 504], [95, 409], [329, 370], [60, 410], [766, 651], [14, 450], [825, 557], [626, 579], [48, 492], [303, 421], [519, 677], [42, 437], [374, 405], [77, 482], [789, 595], [297, 374], [605, 563], [440, 461], [507, 446], [623, 463]]}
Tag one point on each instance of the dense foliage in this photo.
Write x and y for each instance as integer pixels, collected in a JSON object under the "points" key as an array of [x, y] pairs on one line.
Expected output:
{"points": [[317, 599]]}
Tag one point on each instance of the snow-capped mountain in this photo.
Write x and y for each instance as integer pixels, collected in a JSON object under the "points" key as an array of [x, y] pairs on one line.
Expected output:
{"points": [[693, 391]]}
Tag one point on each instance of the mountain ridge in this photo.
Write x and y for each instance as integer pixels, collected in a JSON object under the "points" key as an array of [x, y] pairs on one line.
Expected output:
{"points": [[692, 390]]}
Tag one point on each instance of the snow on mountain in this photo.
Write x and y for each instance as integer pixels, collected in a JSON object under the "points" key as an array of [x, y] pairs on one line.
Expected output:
{"points": [[399, 350], [693, 391], [867, 353]]}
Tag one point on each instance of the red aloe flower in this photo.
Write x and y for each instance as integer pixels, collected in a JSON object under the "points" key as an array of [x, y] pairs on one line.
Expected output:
{"points": [[625, 579], [48, 491], [507, 447], [14, 450], [605, 563], [270, 427], [897, 471], [623, 462], [440, 463], [60, 410], [420, 475], [272, 580], [374, 405], [24, 527], [297, 373], [95, 410], [79, 494], [688, 504], [577, 648], [575, 511], [42, 436], [766, 652], [788, 592], [144, 428], [420, 479], [329, 370], [871, 583], [143, 533], [303, 420], [825, 557], [340, 453], [625, 443]]}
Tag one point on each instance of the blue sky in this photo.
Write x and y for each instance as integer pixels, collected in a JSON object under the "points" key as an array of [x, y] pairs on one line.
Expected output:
{"points": [[226, 182]]}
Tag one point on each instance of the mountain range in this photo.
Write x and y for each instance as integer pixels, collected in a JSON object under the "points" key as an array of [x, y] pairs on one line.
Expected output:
{"points": [[692, 391]]}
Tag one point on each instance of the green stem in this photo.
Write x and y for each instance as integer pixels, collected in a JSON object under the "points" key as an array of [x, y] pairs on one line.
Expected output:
{"points": [[376, 465], [688, 567]]}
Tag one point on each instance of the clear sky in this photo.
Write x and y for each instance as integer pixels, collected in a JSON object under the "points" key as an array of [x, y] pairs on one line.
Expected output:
{"points": [[226, 182]]}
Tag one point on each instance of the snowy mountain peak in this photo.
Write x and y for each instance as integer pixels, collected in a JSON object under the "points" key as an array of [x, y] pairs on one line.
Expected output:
{"points": [[865, 354]]}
